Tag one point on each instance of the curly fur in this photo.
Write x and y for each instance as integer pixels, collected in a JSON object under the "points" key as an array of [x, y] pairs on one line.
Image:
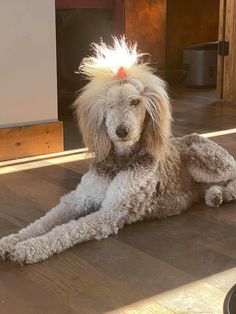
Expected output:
{"points": [[144, 173]]}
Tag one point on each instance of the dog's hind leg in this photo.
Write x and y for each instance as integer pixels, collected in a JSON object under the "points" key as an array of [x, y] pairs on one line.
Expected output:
{"points": [[218, 194], [229, 191], [214, 196], [77, 203]]}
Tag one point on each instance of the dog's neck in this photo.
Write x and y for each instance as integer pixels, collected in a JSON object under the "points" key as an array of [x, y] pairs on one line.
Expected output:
{"points": [[123, 148], [135, 156]]}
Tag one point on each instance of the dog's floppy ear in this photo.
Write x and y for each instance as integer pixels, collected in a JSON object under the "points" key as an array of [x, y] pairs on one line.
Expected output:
{"points": [[157, 129], [90, 116]]}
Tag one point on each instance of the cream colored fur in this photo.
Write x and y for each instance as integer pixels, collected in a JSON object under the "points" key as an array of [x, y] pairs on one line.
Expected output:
{"points": [[145, 174]]}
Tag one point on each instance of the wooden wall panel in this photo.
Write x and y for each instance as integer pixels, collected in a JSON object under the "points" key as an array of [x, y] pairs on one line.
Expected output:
{"points": [[189, 22], [31, 140], [145, 22]]}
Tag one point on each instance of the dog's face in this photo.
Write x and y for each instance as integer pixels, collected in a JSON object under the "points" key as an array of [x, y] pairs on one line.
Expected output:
{"points": [[122, 101], [124, 114], [119, 113]]}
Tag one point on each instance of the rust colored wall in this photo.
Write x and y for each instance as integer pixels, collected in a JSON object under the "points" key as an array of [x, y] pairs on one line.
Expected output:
{"points": [[189, 22], [145, 22]]}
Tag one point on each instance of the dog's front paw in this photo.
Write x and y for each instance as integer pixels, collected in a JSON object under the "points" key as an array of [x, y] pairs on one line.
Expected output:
{"points": [[7, 244], [29, 252], [24, 252]]}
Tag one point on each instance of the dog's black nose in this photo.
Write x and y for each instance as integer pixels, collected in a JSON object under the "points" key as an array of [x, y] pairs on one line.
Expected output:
{"points": [[122, 131]]}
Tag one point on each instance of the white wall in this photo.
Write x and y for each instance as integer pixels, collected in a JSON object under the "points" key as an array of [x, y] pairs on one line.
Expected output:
{"points": [[28, 86]]}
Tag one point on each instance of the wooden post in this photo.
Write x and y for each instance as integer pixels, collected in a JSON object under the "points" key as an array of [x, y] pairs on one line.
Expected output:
{"points": [[227, 64], [220, 61], [229, 93]]}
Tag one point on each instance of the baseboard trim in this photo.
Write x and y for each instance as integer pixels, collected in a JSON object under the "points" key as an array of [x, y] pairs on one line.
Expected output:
{"points": [[31, 140]]}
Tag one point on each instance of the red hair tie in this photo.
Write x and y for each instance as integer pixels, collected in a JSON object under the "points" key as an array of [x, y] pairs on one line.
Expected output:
{"points": [[121, 74]]}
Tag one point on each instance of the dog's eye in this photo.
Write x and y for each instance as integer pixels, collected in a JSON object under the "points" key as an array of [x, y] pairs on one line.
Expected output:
{"points": [[134, 102]]}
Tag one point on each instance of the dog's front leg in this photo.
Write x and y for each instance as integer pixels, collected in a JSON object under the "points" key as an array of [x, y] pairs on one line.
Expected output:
{"points": [[87, 197], [125, 198]]}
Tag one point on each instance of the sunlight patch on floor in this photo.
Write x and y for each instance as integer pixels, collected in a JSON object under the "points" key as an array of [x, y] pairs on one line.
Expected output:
{"points": [[43, 157], [33, 162], [202, 296], [219, 133]]}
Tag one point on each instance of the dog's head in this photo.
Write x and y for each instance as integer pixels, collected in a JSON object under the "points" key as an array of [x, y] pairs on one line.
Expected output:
{"points": [[121, 106]]}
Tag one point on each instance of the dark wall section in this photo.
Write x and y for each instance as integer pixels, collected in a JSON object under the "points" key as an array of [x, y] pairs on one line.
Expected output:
{"points": [[145, 22], [189, 22], [76, 29]]}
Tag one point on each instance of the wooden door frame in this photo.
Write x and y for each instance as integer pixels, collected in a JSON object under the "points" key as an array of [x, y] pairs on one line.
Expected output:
{"points": [[221, 37], [226, 76]]}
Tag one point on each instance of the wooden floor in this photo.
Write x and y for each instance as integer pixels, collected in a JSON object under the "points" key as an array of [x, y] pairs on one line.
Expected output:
{"points": [[184, 264]]}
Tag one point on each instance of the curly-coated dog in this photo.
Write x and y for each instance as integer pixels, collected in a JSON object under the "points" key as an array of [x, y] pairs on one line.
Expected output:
{"points": [[139, 170]]}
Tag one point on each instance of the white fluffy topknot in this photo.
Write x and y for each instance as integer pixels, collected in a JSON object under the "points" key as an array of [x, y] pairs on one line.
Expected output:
{"points": [[107, 60]]}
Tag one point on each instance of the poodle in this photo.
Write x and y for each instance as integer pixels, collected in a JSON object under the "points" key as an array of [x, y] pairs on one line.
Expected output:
{"points": [[139, 170]]}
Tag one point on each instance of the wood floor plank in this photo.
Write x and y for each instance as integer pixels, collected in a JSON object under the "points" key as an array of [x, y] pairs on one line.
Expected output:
{"points": [[225, 246], [19, 295], [178, 246], [39, 190], [197, 297], [147, 306], [78, 166], [225, 214], [80, 285], [16, 211], [55, 174], [140, 271], [78, 163], [224, 280]]}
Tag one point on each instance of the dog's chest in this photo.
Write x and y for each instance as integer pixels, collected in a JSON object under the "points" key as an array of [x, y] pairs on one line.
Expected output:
{"points": [[114, 164]]}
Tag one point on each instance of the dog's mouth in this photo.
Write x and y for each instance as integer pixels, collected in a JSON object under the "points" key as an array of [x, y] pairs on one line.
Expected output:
{"points": [[123, 140], [131, 140]]}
